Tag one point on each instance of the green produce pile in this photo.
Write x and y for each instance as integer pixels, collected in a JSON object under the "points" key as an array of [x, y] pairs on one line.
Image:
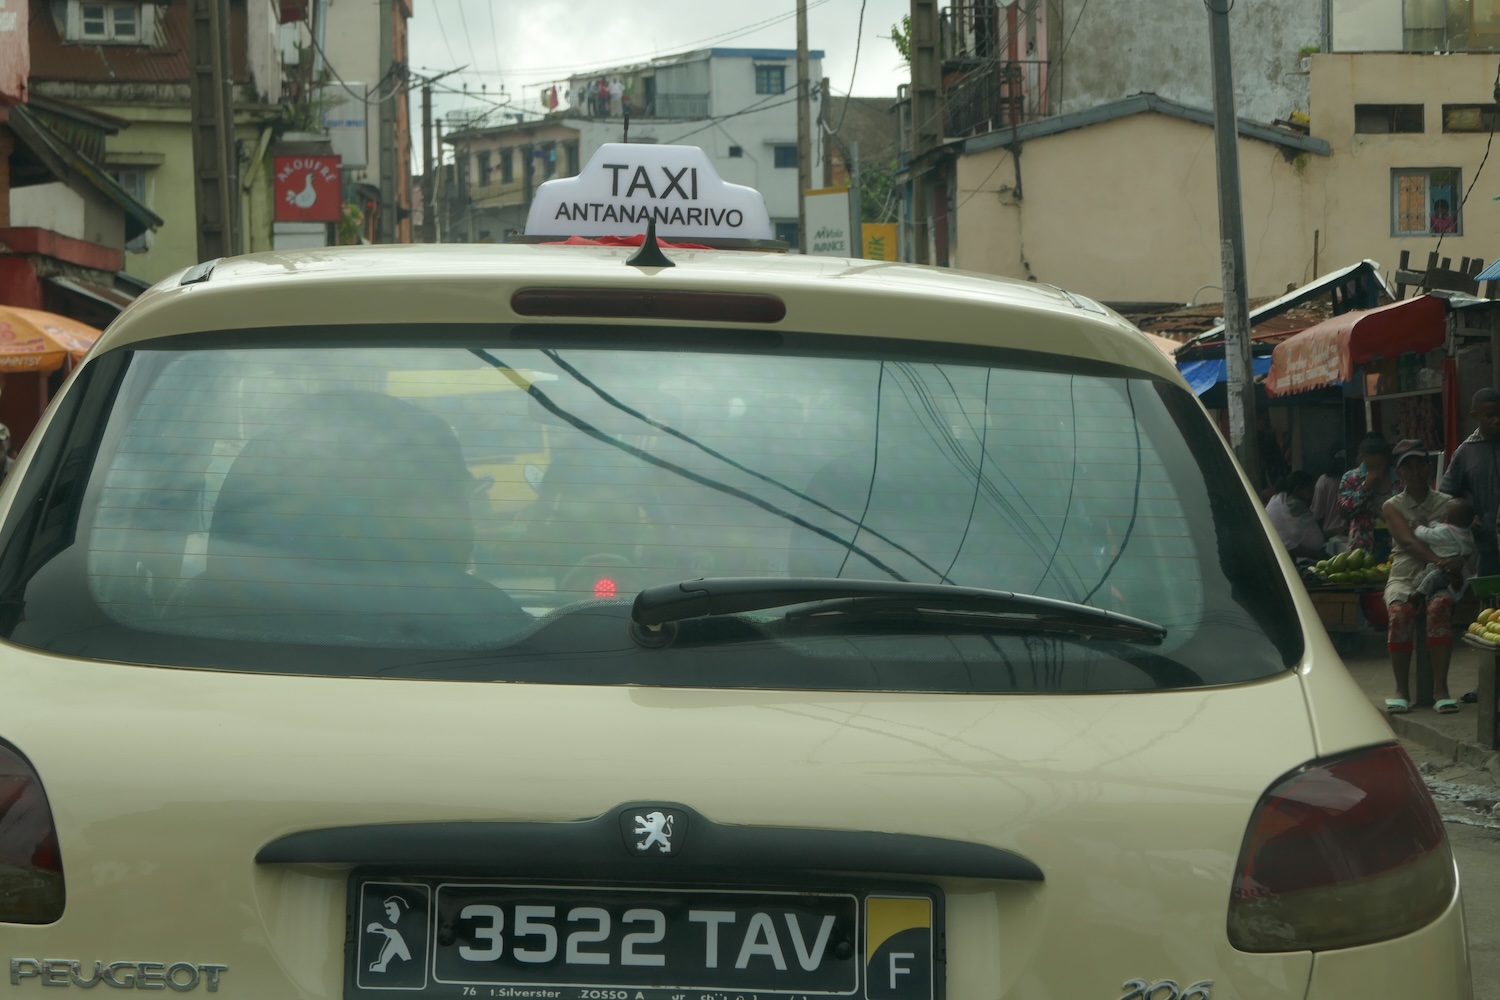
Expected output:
{"points": [[1354, 566]]}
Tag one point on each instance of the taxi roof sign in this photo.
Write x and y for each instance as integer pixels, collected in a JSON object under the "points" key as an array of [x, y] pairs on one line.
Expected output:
{"points": [[624, 186]]}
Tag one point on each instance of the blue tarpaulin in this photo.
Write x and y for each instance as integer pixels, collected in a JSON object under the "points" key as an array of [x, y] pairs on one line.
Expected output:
{"points": [[1204, 375]]}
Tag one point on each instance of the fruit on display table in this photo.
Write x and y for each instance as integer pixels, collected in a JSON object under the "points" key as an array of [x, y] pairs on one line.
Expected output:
{"points": [[1487, 626], [1351, 568]]}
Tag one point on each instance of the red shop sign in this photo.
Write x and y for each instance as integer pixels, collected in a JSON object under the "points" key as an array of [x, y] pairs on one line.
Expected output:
{"points": [[308, 189]]}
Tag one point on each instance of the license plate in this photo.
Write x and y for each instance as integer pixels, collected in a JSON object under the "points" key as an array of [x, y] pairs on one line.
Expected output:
{"points": [[518, 941]]}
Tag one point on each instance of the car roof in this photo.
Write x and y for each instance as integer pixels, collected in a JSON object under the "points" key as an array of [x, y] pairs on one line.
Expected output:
{"points": [[426, 284]]}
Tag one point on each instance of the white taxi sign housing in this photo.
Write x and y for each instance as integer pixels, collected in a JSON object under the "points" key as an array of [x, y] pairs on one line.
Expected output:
{"points": [[626, 185]]}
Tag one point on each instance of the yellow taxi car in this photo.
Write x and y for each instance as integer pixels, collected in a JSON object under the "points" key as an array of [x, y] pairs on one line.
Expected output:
{"points": [[875, 632]]}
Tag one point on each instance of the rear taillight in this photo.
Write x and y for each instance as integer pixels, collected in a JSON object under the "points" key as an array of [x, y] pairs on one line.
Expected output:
{"points": [[31, 875], [1341, 853]]}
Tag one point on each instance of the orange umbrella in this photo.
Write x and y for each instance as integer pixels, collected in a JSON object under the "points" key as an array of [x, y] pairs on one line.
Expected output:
{"points": [[36, 341]]}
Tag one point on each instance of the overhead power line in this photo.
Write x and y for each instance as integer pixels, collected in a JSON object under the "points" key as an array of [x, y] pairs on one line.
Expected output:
{"points": [[859, 33]]}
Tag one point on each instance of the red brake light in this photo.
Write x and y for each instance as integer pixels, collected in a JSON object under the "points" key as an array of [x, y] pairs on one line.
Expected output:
{"points": [[604, 587], [631, 303], [1341, 853], [31, 876]]}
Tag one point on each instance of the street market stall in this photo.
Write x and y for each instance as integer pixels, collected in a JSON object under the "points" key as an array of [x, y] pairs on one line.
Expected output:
{"points": [[1393, 366], [1394, 361]]}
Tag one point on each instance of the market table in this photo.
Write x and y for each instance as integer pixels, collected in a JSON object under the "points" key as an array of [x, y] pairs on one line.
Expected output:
{"points": [[1488, 737], [1338, 606]]}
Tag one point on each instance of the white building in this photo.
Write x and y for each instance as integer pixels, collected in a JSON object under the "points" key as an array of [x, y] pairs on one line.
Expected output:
{"points": [[738, 105]]}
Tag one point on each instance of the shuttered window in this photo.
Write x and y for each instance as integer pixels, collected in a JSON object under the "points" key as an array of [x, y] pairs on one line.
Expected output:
{"points": [[1425, 202]]}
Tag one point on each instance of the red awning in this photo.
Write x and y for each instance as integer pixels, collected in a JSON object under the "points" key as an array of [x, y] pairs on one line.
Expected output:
{"points": [[1326, 354]]}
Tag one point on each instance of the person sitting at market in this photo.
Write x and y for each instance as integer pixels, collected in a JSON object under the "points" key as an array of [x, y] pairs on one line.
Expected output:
{"points": [[1290, 511], [1451, 536], [1417, 505], [1364, 490], [1325, 503]]}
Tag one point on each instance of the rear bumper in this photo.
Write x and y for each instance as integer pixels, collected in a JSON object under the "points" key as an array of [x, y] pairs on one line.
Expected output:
{"points": [[1433, 962]]}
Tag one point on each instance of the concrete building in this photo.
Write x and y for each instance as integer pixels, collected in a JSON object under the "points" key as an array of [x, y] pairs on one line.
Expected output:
{"points": [[1119, 200], [1005, 63], [1408, 134], [1120, 203], [1102, 52], [64, 224], [133, 66], [738, 105], [1408, 97], [499, 170]]}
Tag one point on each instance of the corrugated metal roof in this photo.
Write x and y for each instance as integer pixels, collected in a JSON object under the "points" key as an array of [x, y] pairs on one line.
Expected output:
{"points": [[1366, 272], [54, 58], [64, 160], [1135, 105]]}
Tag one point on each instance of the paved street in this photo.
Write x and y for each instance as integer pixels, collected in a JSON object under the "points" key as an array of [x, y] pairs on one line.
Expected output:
{"points": [[1467, 799]]}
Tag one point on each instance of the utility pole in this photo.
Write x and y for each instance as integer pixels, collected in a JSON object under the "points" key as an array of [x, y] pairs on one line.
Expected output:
{"points": [[439, 189], [856, 205], [429, 210], [926, 115], [429, 232], [804, 126], [851, 168], [215, 166], [827, 134], [1242, 428]]}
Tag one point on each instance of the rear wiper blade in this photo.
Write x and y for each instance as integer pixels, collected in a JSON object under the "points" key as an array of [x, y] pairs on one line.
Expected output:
{"points": [[658, 606]]}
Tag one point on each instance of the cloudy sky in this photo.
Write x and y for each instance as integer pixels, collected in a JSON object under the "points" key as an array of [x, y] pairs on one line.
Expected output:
{"points": [[514, 49]]}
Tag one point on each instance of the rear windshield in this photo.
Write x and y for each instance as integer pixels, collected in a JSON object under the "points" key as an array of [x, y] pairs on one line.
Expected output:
{"points": [[489, 511]]}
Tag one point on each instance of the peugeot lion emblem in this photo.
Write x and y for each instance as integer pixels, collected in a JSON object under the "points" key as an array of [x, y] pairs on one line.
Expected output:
{"points": [[655, 830]]}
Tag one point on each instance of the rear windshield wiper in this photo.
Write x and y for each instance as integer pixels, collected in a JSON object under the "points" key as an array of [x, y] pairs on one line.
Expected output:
{"points": [[656, 607]]}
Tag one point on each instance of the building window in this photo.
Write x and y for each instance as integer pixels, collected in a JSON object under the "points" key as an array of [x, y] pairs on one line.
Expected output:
{"points": [[1470, 117], [1380, 119], [507, 167], [572, 154], [787, 233], [106, 22], [770, 79], [133, 180], [482, 165], [1426, 202], [1451, 25], [735, 152], [785, 156]]}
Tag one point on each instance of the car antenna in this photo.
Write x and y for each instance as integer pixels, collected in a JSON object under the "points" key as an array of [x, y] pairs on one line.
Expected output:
{"points": [[650, 255]]}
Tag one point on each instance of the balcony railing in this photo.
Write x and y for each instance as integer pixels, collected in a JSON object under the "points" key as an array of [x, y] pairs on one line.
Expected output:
{"points": [[973, 30], [992, 96]]}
